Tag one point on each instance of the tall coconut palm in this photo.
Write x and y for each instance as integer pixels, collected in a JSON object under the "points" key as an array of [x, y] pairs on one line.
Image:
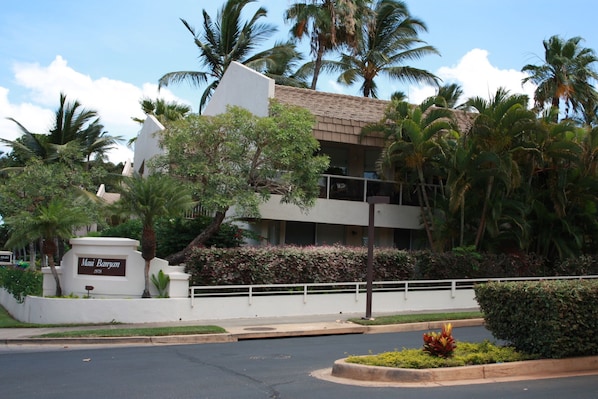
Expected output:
{"points": [[329, 24], [52, 222], [150, 198], [223, 41], [567, 73], [390, 39], [74, 126], [285, 69]]}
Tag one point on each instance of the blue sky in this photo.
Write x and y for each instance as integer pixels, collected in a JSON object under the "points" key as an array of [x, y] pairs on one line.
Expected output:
{"points": [[108, 53]]}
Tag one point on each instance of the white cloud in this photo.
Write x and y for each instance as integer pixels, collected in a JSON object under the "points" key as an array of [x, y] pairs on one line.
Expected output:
{"points": [[34, 118], [333, 86], [115, 101], [478, 77]]}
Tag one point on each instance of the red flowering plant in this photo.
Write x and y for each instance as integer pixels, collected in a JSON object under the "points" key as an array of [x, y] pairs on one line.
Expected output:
{"points": [[440, 344]]}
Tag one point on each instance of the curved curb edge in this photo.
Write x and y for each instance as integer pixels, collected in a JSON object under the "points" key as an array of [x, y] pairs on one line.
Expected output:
{"points": [[350, 373]]}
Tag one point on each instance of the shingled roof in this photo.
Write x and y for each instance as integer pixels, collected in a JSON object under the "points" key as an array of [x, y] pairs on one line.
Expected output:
{"points": [[340, 117], [331, 105]]}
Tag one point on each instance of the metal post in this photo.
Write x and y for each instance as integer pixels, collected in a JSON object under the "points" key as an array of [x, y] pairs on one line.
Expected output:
{"points": [[372, 201]]}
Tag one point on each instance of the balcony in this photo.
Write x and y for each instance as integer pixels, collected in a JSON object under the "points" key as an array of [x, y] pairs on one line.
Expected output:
{"points": [[358, 189]]}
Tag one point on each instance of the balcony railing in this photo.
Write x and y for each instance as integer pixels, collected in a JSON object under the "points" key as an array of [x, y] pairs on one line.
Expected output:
{"points": [[358, 189]]}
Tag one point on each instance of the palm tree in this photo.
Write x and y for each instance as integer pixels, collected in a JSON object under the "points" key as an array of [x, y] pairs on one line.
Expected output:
{"points": [[500, 127], [150, 198], [329, 25], [390, 38], [417, 140], [163, 110], [451, 93], [223, 41], [567, 74], [285, 69], [51, 223], [75, 129]]}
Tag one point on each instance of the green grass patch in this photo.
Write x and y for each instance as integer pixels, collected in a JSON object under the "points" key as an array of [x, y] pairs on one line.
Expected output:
{"points": [[136, 332], [466, 354], [417, 318], [6, 321]]}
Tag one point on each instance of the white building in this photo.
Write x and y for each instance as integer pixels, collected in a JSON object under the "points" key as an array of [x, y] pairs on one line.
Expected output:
{"points": [[340, 215]]}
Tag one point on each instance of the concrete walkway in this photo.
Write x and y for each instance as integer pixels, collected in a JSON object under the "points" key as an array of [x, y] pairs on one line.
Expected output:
{"points": [[236, 329]]}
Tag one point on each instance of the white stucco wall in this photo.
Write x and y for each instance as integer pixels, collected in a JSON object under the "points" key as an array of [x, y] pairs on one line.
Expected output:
{"points": [[147, 144], [64, 310], [350, 213], [243, 87]]}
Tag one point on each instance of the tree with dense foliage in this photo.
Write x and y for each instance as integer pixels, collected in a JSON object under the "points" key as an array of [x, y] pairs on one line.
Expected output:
{"points": [[329, 25], [34, 185], [225, 40], [236, 159], [51, 222], [389, 39], [568, 74], [149, 198]]}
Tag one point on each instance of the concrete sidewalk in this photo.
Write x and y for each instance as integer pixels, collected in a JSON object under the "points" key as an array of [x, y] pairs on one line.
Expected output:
{"points": [[236, 329]]}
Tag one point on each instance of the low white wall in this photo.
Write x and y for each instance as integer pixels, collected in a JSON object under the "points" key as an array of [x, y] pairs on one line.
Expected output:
{"points": [[128, 282], [41, 310]]}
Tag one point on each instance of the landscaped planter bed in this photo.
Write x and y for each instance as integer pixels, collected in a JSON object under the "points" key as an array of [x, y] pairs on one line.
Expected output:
{"points": [[530, 369]]}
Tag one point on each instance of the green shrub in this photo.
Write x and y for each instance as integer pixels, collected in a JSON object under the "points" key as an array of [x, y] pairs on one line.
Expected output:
{"points": [[462, 264], [290, 265], [553, 319], [465, 354], [161, 281], [584, 265], [21, 283]]}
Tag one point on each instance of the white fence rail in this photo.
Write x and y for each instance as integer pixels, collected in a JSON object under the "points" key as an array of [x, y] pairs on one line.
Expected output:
{"points": [[244, 301], [357, 288]]}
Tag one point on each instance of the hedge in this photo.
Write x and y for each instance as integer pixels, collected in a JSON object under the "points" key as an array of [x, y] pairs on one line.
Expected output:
{"points": [[289, 265], [550, 318]]}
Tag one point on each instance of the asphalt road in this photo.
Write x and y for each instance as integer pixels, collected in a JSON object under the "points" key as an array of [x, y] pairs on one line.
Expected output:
{"points": [[273, 368]]}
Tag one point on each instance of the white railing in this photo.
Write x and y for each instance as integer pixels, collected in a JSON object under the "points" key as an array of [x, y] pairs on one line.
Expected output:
{"points": [[349, 188], [356, 288]]}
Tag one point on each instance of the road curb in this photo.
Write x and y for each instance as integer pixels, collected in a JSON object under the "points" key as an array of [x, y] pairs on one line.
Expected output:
{"points": [[423, 326], [246, 333], [530, 369]]}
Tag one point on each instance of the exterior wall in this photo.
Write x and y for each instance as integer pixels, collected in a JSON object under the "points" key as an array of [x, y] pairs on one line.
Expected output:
{"points": [[131, 285], [343, 212], [147, 144], [243, 87], [63, 310]]}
